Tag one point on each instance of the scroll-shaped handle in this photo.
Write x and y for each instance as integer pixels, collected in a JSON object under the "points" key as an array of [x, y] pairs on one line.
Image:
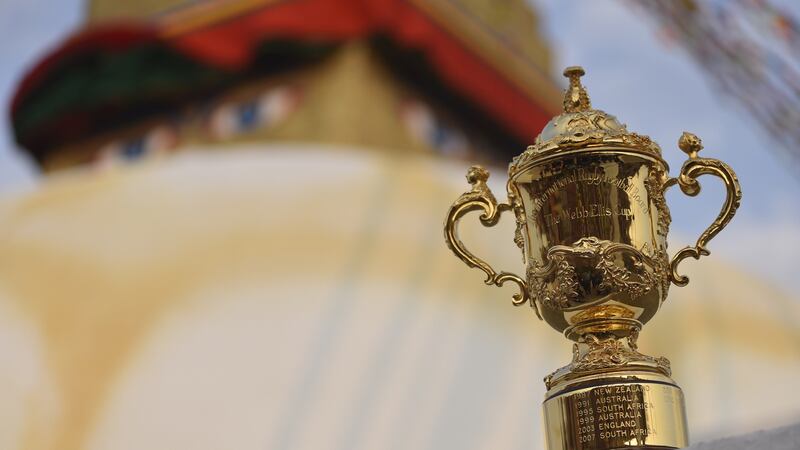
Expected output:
{"points": [[687, 180], [480, 198]]}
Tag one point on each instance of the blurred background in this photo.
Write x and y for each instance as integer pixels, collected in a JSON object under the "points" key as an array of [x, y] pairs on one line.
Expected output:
{"points": [[220, 220]]}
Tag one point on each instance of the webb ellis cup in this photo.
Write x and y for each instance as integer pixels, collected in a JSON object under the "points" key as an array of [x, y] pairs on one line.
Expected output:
{"points": [[592, 223]]}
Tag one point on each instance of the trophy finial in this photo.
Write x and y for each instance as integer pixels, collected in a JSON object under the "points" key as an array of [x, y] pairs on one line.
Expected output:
{"points": [[575, 99], [477, 174], [690, 144]]}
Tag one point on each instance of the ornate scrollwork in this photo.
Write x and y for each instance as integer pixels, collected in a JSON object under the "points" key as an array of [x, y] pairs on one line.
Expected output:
{"points": [[593, 353], [620, 279], [582, 129], [687, 180], [660, 263], [519, 216], [480, 198], [655, 190], [610, 352], [556, 283], [563, 291], [580, 126]]}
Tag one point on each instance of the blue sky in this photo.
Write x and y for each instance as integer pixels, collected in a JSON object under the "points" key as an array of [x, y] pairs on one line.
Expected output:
{"points": [[30, 28], [653, 88]]}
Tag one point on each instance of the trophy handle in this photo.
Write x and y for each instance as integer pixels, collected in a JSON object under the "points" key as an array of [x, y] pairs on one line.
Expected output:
{"points": [[480, 198], [687, 180]]}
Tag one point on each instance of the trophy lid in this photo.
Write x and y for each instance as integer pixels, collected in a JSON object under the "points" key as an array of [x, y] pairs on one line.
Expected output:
{"points": [[581, 128]]}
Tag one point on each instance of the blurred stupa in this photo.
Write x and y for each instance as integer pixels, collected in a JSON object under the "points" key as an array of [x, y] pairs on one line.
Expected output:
{"points": [[277, 280], [462, 78]]}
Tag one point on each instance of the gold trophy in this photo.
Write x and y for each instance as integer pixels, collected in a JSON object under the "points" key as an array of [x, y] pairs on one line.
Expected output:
{"points": [[592, 223]]}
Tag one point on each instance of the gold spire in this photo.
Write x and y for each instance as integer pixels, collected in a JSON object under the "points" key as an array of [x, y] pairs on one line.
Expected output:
{"points": [[575, 98]]}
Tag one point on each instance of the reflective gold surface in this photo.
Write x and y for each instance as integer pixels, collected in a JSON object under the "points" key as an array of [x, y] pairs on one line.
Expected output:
{"points": [[640, 410], [594, 246], [592, 222]]}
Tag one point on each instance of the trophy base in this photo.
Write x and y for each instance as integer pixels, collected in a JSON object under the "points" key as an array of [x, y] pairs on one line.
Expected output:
{"points": [[622, 410]]}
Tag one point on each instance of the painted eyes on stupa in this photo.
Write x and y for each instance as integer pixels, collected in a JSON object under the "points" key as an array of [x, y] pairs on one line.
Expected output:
{"points": [[159, 140], [430, 130], [234, 118], [222, 121]]}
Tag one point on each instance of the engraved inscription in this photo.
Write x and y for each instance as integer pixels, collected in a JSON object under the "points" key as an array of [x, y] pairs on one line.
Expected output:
{"points": [[587, 212], [587, 423], [612, 415], [591, 176]]}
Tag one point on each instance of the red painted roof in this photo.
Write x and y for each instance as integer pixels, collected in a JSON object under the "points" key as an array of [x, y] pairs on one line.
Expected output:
{"points": [[230, 44]]}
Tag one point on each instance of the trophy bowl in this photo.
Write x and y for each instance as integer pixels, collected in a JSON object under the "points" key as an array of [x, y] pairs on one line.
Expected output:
{"points": [[592, 225]]}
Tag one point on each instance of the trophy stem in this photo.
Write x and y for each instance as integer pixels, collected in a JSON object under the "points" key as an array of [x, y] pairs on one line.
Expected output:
{"points": [[621, 327]]}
